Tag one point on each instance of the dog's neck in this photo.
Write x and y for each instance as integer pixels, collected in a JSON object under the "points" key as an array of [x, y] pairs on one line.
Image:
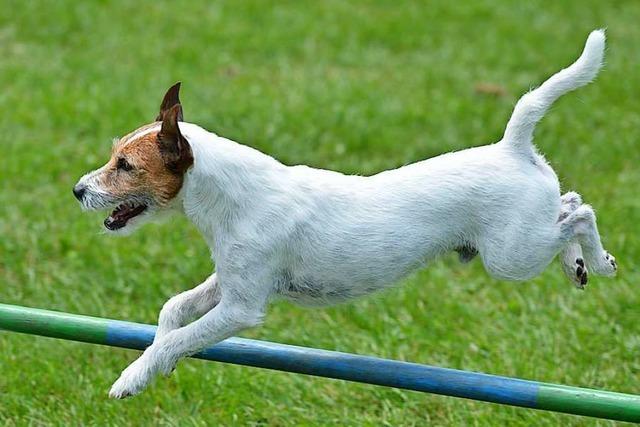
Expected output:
{"points": [[225, 179]]}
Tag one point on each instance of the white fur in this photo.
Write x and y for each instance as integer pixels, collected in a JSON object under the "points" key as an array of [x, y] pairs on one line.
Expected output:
{"points": [[140, 134], [320, 237]]}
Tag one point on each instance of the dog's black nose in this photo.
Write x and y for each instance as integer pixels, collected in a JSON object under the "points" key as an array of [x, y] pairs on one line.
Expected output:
{"points": [[78, 191]]}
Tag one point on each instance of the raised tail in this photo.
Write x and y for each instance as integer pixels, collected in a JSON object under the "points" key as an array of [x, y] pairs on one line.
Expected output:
{"points": [[532, 106]]}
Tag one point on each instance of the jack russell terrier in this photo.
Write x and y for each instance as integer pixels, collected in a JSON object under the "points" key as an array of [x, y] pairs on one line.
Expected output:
{"points": [[320, 237]]}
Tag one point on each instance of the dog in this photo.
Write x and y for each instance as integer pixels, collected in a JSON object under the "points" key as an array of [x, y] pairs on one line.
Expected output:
{"points": [[319, 237]]}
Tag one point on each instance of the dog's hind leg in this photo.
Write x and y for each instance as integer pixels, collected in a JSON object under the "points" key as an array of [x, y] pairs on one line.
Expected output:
{"points": [[571, 258], [188, 305], [580, 226], [519, 254]]}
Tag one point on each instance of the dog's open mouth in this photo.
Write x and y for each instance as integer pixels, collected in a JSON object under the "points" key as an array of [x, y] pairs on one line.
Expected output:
{"points": [[122, 214]]}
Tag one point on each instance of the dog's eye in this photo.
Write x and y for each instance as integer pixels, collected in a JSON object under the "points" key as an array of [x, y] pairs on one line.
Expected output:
{"points": [[124, 165]]}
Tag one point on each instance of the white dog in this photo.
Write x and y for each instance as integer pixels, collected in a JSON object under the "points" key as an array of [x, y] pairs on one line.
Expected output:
{"points": [[320, 237]]}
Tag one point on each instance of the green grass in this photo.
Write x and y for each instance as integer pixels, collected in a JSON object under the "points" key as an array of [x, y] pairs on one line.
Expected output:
{"points": [[357, 87]]}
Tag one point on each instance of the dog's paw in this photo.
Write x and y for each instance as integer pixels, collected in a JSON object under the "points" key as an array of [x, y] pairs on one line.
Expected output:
{"points": [[612, 261], [577, 272], [574, 266], [581, 274], [606, 265], [132, 381]]}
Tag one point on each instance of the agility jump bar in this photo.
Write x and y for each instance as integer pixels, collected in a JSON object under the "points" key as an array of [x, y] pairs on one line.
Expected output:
{"points": [[333, 364]]}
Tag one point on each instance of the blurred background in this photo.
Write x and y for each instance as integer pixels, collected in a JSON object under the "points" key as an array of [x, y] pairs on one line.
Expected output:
{"points": [[354, 86]]}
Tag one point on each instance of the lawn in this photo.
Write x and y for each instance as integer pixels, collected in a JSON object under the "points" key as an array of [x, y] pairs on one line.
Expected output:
{"points": [[354, 86]]}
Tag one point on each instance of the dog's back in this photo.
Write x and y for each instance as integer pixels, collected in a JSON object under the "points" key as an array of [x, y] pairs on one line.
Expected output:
{"points": [[502, 200]]}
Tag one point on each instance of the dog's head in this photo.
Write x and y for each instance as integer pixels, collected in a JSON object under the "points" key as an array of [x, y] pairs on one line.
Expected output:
{"points": [[145, 172]]}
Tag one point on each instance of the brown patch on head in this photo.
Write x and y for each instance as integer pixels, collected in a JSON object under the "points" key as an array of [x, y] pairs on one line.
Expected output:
{"points": [[146, 170], [138, 168], [151, 161]]}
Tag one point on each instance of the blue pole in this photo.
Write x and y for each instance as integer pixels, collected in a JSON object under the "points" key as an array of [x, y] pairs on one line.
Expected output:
{"points": [[333, 364]]}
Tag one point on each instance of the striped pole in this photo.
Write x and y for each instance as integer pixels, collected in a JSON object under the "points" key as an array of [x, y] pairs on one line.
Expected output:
{"points": [[332, 364]]}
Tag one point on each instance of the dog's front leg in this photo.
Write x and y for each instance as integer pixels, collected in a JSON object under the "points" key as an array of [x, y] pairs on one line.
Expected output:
{"points": [[227, 318], [178, 310]]}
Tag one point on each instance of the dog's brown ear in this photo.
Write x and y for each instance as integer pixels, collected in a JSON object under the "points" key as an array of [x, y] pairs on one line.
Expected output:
{"points": [[171, 98], [174, 148]]}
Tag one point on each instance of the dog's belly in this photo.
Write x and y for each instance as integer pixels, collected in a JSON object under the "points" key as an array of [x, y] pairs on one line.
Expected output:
{"points": [[319, 292], [333, 280]]}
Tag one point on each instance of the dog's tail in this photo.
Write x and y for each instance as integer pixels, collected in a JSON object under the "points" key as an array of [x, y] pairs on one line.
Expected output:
{"points": [[532, 106]]}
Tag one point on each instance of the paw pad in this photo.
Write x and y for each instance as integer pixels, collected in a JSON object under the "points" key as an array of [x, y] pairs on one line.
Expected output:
{"points": [[611, 260], [582, 276]]}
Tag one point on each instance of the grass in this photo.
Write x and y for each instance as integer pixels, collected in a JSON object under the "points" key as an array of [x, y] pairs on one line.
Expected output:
{"points": [[357, 87]]}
